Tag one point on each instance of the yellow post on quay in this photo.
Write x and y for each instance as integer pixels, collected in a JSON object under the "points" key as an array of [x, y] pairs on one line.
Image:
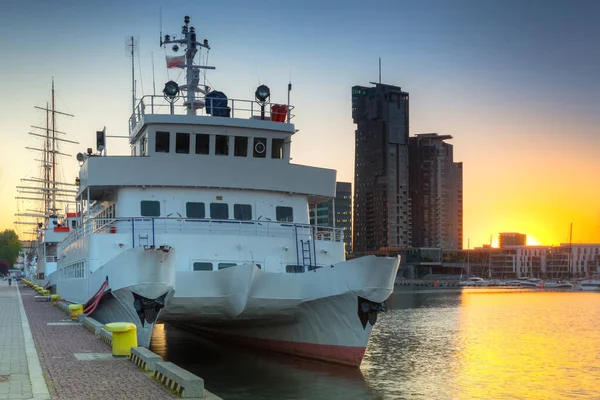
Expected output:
{"points": [[55, 298], [124, 337], [76, 309], [46, 292]]}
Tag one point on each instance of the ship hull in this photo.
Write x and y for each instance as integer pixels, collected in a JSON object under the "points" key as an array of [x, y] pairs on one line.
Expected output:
{"points": [[325, 314], [140, 283]]}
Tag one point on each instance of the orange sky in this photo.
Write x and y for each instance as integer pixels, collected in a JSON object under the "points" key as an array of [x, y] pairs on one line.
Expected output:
{"points": [[519, 93]]}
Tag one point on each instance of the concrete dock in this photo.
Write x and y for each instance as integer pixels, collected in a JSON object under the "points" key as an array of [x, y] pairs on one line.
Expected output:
{"points": [[44, 355]]}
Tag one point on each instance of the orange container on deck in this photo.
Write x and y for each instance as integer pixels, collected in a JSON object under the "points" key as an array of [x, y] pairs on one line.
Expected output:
{"points": [[278, 112]]}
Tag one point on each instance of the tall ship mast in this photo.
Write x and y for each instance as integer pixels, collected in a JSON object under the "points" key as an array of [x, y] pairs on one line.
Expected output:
{"points": [[209, 179], [45, 198]]}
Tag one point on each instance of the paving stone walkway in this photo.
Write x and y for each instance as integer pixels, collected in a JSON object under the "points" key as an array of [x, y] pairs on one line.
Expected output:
{"points": [[20, 372], [57, 341]]}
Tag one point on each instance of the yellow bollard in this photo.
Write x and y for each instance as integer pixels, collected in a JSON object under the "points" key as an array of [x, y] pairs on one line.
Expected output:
{"points": [[124, 337], [40, 290], [46, 292], [55, 298], [76, 309]]}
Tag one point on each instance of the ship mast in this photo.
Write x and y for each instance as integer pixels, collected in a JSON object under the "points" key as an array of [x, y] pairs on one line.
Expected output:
{"points": [[49, 191], [192, 74]]}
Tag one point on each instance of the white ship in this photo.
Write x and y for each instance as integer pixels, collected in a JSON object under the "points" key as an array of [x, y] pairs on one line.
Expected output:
{"points": [[211, 178]]}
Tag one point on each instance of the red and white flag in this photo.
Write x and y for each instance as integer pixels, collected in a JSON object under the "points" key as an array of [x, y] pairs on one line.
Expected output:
{"points": [[175, 61]]}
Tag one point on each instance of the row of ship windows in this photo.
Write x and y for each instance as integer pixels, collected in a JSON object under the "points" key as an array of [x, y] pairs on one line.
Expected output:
{"points": [[290, 269], [223, 145], [74, 270], [242, 212]]}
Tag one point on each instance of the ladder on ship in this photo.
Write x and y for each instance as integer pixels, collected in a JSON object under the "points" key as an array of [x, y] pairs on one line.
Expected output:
{"points": [[306, 253], [306, 256]]}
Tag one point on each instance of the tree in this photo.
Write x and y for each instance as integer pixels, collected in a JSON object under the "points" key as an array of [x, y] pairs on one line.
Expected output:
{"points": [[9, 246]]}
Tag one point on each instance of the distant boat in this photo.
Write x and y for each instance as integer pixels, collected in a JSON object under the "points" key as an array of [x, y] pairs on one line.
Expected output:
{"points": [[560, 284], [532, 283], [474, 281], [590, 285]]}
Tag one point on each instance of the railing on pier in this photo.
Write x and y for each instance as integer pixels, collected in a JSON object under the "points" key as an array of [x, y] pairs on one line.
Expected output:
{"points": [[227, 108], [147, 228]]}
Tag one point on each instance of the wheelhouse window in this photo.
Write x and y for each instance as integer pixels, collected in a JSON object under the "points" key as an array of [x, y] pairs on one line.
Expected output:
{"points": [[260, 147], [182, 143], [240, 148], [219, 211], [284, 214], [203, 266], [144, 145], [222, 145], [202, 143], [277, 148], [194, 210], [150, 208], [226, 265], [162, 142], [242, 212]]}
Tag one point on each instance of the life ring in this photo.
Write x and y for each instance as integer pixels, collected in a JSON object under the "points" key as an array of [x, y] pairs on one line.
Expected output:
{"points": [[260, 147]]}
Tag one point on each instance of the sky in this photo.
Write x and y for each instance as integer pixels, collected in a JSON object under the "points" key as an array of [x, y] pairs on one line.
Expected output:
{"points": [[516, 83]]}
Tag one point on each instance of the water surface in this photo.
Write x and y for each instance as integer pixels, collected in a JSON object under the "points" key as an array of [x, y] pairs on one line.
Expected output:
{"points": [[474, 344]]}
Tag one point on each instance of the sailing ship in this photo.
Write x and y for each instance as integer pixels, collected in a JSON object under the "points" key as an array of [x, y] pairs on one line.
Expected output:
{"points": [[210, 179], [48, 195]]}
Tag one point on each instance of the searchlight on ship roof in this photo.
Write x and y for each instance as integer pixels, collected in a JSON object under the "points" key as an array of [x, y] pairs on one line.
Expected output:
{"points": [[171, 90], [262, 93]]}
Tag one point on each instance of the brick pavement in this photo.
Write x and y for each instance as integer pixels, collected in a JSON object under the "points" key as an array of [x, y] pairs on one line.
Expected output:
{"points": [[70, 379]]}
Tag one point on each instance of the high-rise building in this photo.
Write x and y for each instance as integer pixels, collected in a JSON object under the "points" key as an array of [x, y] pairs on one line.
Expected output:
{"points": [[322, 214], [512, 239], [381, 199], [436, 192]]}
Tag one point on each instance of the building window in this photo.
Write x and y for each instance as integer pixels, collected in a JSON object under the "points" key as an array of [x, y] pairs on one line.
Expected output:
{"points": [[219, 211], [294, 269], [203, 266], [226, 265], [284, 214], [194, 210], [162, 142], [242, 212], [150, 208], [240, 147], [222, 145], [202, 143], [182, 143], [277, 148], [260, 147]]}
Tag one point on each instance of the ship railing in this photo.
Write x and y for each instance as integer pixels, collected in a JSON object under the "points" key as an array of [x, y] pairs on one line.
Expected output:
{"points": [[217, 107], [143, 230]]}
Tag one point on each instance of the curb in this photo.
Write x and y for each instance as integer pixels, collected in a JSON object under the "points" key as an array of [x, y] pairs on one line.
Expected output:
{"points": [[178, 380], [106, 336], [183, 382]]}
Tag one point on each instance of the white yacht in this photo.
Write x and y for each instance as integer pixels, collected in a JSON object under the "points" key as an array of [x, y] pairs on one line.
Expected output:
{"points": [[558, 284], [474, 281], [589, 285], [210, 177], [534, 283]]}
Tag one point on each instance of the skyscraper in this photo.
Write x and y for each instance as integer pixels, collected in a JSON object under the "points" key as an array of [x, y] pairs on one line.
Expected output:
{"points": [[381, 200], [436, 192], [322, 214]]}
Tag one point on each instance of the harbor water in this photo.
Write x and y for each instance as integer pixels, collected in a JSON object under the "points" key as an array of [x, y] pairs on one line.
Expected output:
{"points": [[472, 344]]}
